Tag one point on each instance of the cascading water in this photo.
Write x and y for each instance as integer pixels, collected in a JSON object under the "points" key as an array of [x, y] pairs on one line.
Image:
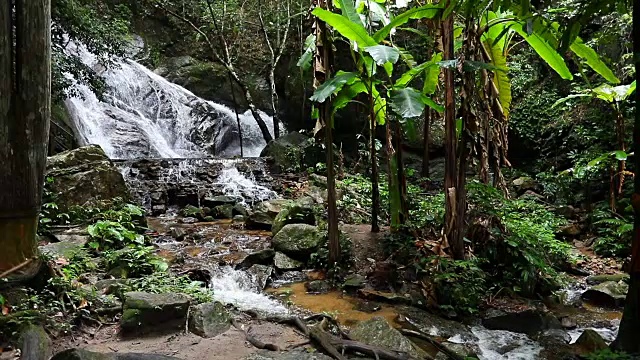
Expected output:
{"points": [[142, 115]]}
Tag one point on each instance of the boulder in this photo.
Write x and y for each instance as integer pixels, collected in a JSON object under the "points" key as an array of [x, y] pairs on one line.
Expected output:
{"points": [[264, 213], [377, 331], [292, 152], [81, 354], [297, 240], [144, 312], [554, 337], [590, 341], [213, 201], [608, 294], [283, 262], [286, 355], [239, 209], [354, 281], [570, 230], [263, 257], [524, 183], [599, 279], [293, 214], [209, 319], [318, 286], [85, 177], [526, 322], [260, 274], [178, 233], [35, 344], [223, 211], [63, 249]]}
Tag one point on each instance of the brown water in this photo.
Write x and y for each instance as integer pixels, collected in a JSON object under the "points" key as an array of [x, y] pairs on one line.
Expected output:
{"points": [[347, 310]]}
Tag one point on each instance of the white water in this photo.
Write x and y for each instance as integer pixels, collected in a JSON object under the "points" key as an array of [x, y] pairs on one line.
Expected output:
{"points": [[143, 115], [505, 345], [237, 185], [238, 288]]}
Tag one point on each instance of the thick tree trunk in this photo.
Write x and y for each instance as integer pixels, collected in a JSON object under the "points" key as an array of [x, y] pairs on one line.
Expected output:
{"points": [[629, 332], [252, 107], [235, 110], [274, 102], [25, 108], [451, 227], [322, 72]]}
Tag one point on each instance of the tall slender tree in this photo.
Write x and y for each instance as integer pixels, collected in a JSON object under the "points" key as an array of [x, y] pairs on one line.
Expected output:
{"points": [[321, 73], [25, 109], [629, 332]]}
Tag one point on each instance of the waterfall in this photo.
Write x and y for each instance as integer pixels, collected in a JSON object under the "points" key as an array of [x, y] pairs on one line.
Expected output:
{"points": [[142, 115]]}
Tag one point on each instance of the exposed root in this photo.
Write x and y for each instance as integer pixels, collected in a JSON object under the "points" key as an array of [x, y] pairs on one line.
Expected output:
{"points": [[254, 341], [420, 335]]}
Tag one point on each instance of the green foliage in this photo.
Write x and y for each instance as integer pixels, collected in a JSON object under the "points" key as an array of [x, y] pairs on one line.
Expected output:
{"points": [[107, 234], [159, 283], [320, 259], [134, 260], [516, 237], [460, 285], [608, 354], [614, 231], [50, 213]]}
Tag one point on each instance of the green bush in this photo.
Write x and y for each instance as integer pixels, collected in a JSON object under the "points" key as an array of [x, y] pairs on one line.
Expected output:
{"points": [[460, 285], [133, 261]]}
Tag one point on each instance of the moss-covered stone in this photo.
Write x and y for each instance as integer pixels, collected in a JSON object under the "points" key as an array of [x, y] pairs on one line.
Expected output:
{"points": [[377, 331], [283, 262], [146, 312], [296, 213], [209, 319], [297, 240], [223, 211], [264, 213]]}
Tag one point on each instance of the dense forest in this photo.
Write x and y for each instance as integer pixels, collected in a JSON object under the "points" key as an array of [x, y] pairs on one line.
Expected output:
{"points": [[315, 179]]}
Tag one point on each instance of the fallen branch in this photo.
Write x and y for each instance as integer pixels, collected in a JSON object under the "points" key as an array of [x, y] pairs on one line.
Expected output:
{"points": [[16, 268], [254, 341]]}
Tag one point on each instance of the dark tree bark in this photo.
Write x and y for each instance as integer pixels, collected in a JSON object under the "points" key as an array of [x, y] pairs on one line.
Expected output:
{"points": [[375, 190], [452, 221], [425, 143], [628, 338], [25, 109], [322, 72]]}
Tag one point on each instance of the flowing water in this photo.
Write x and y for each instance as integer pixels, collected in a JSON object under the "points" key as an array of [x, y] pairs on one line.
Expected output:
{"points": [[142, 115]]}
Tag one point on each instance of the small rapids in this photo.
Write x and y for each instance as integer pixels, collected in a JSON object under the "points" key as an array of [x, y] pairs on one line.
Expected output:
{"points": [[505, 345], [239, 288]]}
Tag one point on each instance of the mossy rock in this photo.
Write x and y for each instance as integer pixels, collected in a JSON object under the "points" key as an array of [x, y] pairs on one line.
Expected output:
{"points": [[146, 312], [296, 213], [297, 240], [209, 319]]}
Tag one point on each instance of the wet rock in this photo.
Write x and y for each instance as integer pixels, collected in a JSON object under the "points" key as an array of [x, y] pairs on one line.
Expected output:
{"points": [[260, 275], [239, 218], [85, 176], [294, 214], [377, 331], [553, 337], [153, 312], [213, 201], [63, 249], [387, 297], [599, 279], [463, 350], [71, 237], [526, 322], [178, 233], [287, 152], [81, 354], [239, 209], [354, 281], [262, 215], [297, 240], [590, 341], [36, 344], [209, 319], [283, 262], [188, 220], [318, 286], [286, 355], [608, 294], [316, 193], [158, 209], [263, 257], [568, 323], [223, 211], [192, 211], [570, 230]]}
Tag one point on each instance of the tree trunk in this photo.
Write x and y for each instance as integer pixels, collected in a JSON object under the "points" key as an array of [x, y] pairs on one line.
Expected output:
{"points": [[252, 107], [322, 72], [402, 178], [425, 143], [25, 109], [274, 102], [450, 171], [375, 191], [235, 110], [629, 331]]}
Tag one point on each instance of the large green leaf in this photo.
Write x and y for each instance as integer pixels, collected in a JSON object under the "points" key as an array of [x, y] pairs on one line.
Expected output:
{"points": [[422, 12], [307, 56], [593, 60], [347, 94], [407, 102], [612, 94], [632, 89], [567, 98], [352, 31], [432, 76], [379, 106], [383, 54], [496, 50], [542, 47], [332, 86], [349, 11], [414, 73]]}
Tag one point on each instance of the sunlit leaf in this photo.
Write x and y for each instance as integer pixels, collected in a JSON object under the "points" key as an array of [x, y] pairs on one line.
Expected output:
{"points": [[423, 12], [350, 30], [332, 86]]}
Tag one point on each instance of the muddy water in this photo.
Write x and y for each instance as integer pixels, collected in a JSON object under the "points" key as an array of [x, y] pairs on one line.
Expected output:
{"points": [[346, 310]]}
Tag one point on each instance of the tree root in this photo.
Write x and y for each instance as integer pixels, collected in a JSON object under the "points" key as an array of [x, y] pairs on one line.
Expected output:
{"points": [[420, 335], [254, 341]]}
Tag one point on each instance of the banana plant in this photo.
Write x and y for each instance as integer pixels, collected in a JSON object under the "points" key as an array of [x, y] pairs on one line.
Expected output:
{"points": [[372, 51]]}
